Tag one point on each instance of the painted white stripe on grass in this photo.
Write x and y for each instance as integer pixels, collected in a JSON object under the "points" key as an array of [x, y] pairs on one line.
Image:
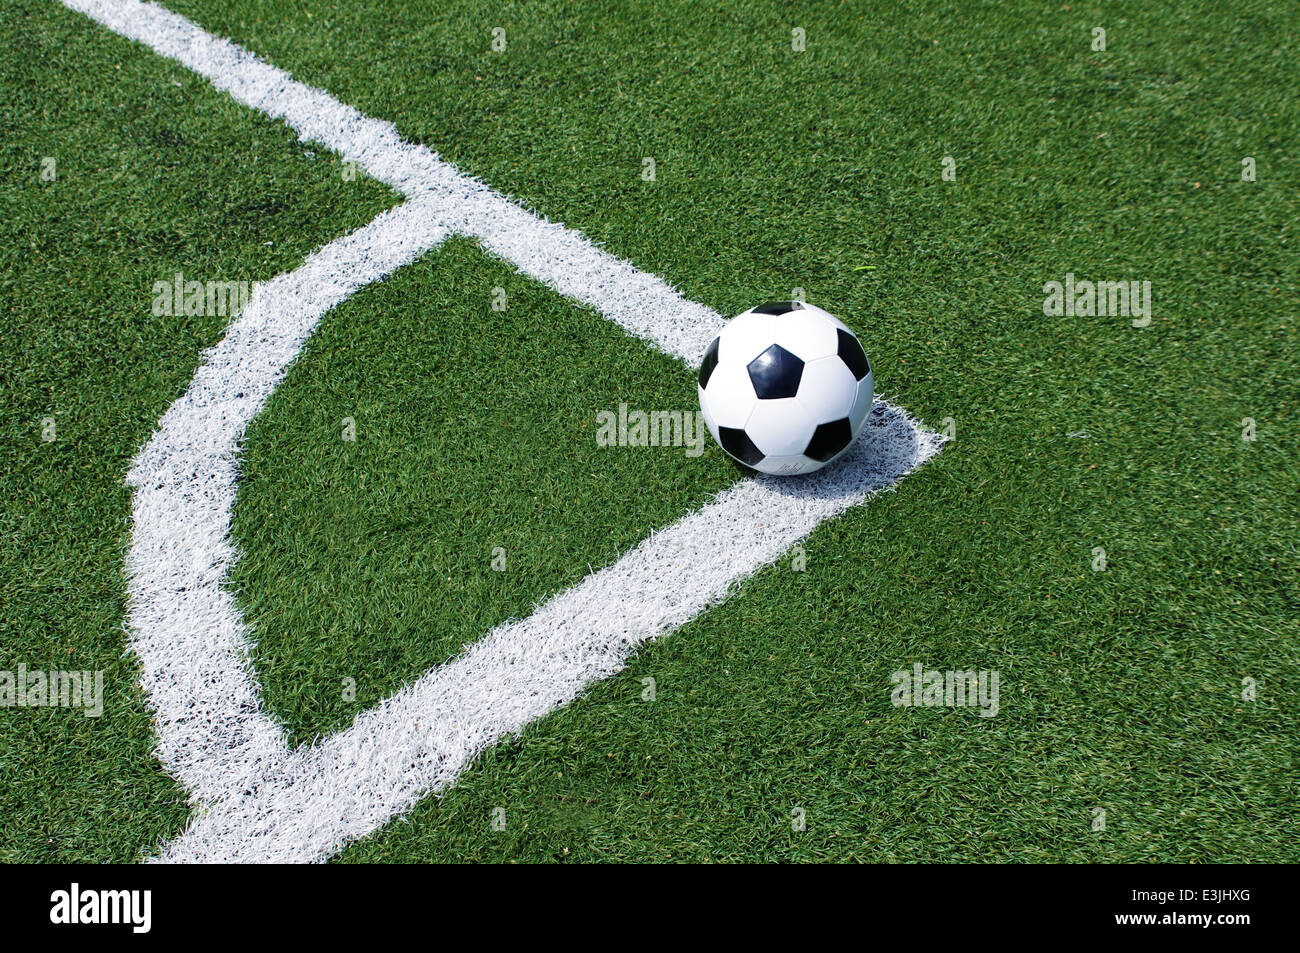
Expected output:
{"points": [[213, 735], [553, 254], [260, 800], [418, 741]]}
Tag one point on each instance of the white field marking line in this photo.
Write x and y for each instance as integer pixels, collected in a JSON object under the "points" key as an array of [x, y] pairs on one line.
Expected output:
{"points": [[213, 734], [419, 740], [259, 800], [557, 256]]}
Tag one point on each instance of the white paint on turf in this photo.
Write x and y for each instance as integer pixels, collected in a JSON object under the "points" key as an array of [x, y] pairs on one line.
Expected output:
{"points": [[558, 256], [419, 740], [258, 799], [213, 734]]}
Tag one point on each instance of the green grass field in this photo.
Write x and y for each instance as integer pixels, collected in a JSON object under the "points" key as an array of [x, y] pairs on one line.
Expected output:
{"points": [[370, 560]]}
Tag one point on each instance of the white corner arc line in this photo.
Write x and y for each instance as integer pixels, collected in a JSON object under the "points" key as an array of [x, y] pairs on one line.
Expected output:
{"points": [[213, 733], [261, 801]]}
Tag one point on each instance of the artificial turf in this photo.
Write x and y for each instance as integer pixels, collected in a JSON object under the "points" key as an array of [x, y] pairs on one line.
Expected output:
{"points": [[155, 172], [1121, 690]]}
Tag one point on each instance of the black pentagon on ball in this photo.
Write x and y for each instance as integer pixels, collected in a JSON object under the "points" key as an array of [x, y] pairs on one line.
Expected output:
{"points": [[737, 443], [829, 439], [775, 373], [851, 354], [779, 307], [709, 363]]}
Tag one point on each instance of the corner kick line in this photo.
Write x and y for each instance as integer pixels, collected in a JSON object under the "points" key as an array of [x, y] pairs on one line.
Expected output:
{"points": [[255, 798]]}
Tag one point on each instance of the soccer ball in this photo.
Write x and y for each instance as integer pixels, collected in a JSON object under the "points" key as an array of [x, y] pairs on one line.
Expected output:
{"points": [[785, 388]]}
